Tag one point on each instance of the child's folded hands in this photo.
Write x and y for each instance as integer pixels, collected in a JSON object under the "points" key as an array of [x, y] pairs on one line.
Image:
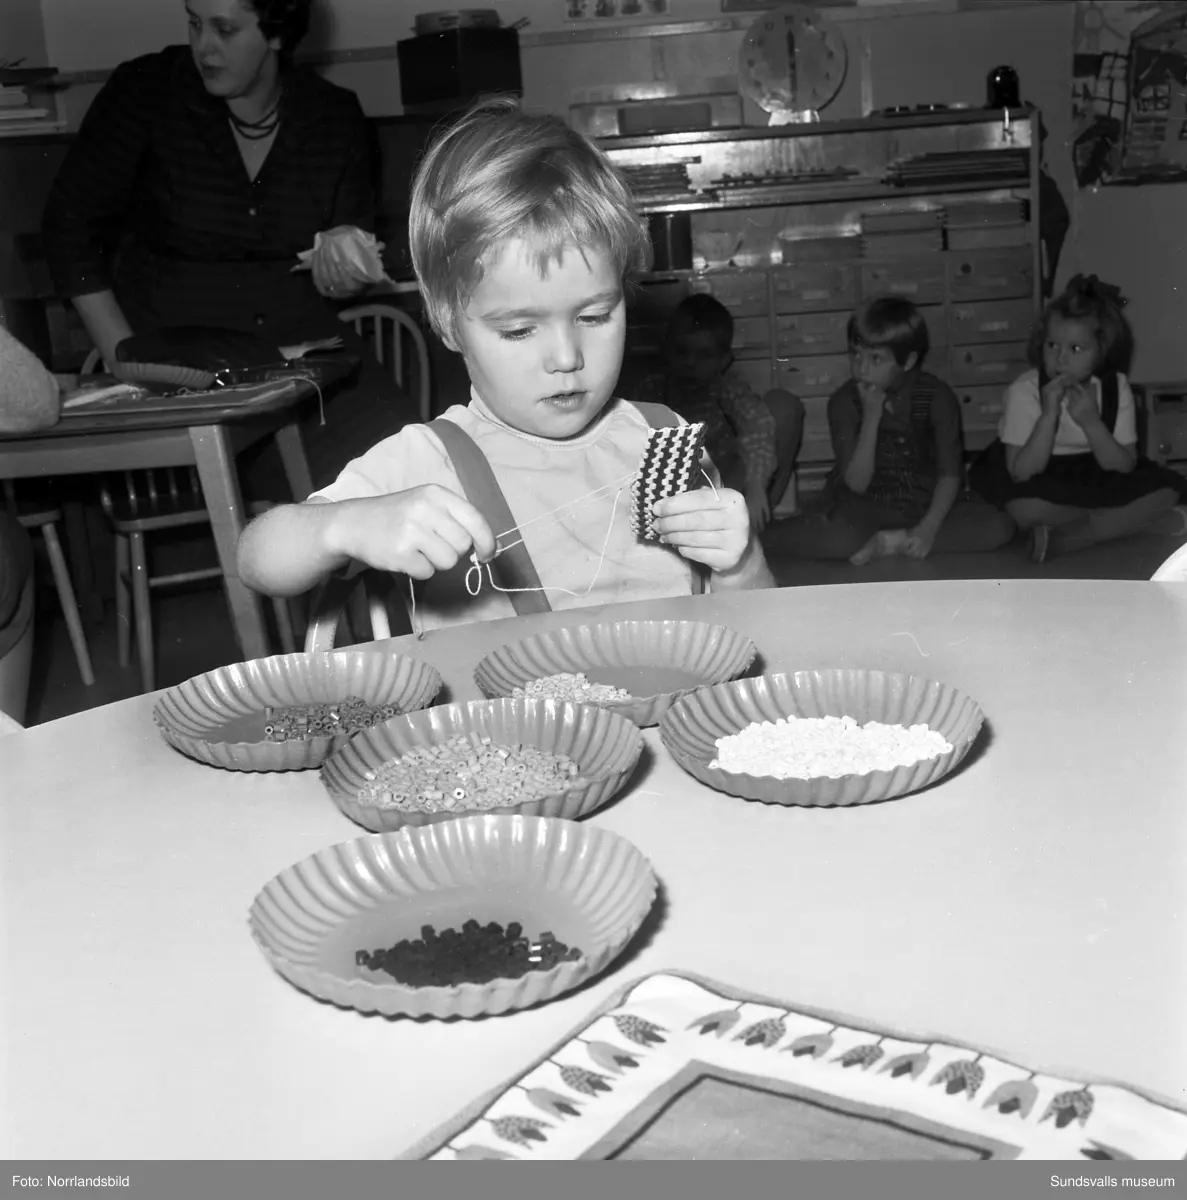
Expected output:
{"points": [[707, 528], [418, 532]]}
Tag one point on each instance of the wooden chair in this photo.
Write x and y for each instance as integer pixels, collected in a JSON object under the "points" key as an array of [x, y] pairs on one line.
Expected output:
{"points": [[372, 600], [138, 503], [397, 338], [47, 517]]}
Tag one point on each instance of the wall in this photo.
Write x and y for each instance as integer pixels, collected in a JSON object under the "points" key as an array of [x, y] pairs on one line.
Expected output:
{"points": [[22, 32]]}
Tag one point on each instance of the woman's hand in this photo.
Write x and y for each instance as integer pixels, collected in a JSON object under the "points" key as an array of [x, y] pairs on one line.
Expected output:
{"points": [[419, 531], [707, 528], [340, 263]]}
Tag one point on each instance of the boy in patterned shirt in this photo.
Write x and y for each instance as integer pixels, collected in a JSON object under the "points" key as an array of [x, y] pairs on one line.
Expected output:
{"points": [[752, 440]]}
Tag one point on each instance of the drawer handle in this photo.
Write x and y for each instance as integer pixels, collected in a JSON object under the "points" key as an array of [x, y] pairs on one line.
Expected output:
{"points": [[1164, 447]]}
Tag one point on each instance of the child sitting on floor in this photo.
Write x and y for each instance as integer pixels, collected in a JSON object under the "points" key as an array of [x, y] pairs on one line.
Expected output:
{"points": [[896, 485], [753, 441], [1065, 465], [522, 233]]}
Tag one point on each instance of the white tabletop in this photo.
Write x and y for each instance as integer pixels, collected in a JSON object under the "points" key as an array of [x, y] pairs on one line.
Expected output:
{"points": [[1032, 904]]}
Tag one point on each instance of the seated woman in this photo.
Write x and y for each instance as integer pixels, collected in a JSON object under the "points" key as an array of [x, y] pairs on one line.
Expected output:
{"points": [[198, 176], [29, 400]]}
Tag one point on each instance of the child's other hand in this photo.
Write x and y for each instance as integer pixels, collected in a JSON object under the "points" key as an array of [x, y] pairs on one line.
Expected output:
{"points": [[919, 541], [418, 532], [759, 507], [1054, 392], [707, 528], [1081, 405]]}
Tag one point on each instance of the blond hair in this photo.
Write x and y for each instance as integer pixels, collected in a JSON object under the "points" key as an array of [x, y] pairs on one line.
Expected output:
{"points": [[499, 173]]}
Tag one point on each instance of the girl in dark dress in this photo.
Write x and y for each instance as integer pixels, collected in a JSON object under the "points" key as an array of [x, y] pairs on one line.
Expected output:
{"points": [[1065, 465], [198, 175]]}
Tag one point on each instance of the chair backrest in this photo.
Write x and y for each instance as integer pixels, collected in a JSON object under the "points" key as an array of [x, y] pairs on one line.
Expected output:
{"points": [[371, 596], [1174, 570], [398, 341]]}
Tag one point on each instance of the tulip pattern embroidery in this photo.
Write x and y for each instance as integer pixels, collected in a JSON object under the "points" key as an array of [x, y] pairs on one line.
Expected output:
{"points": [[667, 1033]]}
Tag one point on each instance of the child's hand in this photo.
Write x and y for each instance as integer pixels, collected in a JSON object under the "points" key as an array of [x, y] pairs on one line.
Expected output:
{"points": [[919, 541], [872, 400], [1054, 392], [714, 530], [418, 532], [1081, 405], [759, 506]]}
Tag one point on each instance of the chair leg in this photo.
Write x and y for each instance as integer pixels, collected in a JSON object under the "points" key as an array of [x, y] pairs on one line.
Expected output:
{"points": [[57, 562], [123, 597], [284, 625], [142, 610]]}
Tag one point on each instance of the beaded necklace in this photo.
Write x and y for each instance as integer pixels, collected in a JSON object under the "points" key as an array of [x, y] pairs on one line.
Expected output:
{"points": [[256, 131]]}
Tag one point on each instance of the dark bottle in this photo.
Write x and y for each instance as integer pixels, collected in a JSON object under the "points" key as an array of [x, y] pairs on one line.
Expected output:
{"points": [[1001, 88]]}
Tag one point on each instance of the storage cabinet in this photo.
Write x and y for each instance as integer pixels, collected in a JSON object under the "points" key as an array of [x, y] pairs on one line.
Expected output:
{"points": [[791, 227]]}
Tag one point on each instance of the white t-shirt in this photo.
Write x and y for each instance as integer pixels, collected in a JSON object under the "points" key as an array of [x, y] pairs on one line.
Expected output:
{"points": [[1023, 407], [547, 485]]}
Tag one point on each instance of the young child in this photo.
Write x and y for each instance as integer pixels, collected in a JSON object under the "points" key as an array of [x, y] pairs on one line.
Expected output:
{"points": [[521, 233], [1065, 465], [753, 441], [896, 486]]}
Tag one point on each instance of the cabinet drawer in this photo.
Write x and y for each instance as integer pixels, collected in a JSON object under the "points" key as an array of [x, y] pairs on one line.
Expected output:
{"points": [[755, 371], [987, 363], [812, 333], [744, 293], [812, 287], [819, 376], [817, 446], [980, 409], [1168, 434], [978, 439], [919, 279], [986, 275], [991, 321], [752, 335]]}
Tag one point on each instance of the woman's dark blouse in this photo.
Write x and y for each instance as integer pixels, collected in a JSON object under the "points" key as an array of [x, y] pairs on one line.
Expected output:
{"points": [[153, 201]]}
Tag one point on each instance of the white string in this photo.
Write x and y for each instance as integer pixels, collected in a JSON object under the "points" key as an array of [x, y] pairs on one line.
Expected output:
{"points": [[709, 481], [474, 574], [606, 487], [420, 633]]}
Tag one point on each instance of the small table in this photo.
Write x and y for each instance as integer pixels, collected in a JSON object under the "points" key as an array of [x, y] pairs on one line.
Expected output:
{"points": [[207, 432]]}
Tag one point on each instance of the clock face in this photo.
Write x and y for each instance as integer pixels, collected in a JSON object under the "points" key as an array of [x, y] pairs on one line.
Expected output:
{"points": [[792, 60]]}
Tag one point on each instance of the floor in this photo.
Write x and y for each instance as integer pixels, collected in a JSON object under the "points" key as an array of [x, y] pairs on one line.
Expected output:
{"points": [[194, 633]]}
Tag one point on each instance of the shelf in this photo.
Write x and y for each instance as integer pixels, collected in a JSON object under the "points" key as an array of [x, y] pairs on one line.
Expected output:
{"points": [[822, 193], [871, 124]]}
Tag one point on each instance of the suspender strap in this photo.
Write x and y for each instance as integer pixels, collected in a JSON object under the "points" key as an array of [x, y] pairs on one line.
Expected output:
{"points": [[1110, 400], [513, 568], [660, 416]]}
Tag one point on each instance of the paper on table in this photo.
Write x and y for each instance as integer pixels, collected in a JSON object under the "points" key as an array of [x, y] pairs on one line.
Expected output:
{"points": [[362, 251], [97, 395]]}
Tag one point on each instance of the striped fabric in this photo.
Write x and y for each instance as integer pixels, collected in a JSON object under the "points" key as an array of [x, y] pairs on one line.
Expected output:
{"points": [[153, 200]]}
